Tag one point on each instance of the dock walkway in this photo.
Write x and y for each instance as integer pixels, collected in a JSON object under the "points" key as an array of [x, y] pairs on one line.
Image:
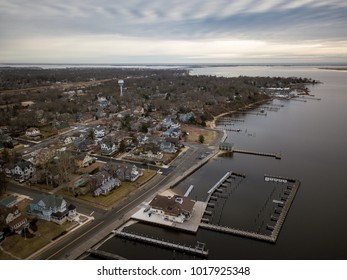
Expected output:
{"points": [[239, 232], [275, 155], [165, 244]]}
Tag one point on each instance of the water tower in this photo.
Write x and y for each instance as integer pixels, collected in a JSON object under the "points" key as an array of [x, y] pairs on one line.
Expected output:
{"points": [[121, 83]]}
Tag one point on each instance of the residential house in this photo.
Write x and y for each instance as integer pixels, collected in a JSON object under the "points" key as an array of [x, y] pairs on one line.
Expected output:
{"points": [[168, 147], [83, 160], [174, 132], [68, 140], [109, 146], [51, 208], [23, 170], [102, 100], [33, 133], [13, 218], [100, 131], [123, 171], [150, 152], [186, 117], [85, 145], [167, 123], [172, 208], [43, 156], [139, 110], [102, 183]]}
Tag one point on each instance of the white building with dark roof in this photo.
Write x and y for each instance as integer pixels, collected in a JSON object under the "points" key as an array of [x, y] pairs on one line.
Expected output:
{"points": [[173, 208]]}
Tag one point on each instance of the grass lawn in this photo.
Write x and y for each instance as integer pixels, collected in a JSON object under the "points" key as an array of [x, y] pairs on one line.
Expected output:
{"points": [[195, 132], [118, 194], [24, 247]]}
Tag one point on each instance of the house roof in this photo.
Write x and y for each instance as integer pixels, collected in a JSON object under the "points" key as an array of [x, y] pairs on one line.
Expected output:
{"points": [[71, 207], [24, 164], [17, 220], [174, 206], [5, 211], [8, 200], [50, 201]]}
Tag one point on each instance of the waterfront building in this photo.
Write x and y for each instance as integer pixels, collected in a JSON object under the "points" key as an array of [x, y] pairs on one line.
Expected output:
{"points": [[172, 208]]}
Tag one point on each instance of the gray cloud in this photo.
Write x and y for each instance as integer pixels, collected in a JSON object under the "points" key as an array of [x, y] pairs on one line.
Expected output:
{"points": [[195, 20]]}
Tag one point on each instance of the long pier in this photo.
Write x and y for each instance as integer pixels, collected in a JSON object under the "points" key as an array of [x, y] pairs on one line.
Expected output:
{"points": [[231, 119], [239, 232], [288, 202], [275, 155], [105, 255], [183, 248]]}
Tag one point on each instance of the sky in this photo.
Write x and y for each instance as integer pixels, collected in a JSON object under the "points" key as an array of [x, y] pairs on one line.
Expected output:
{"points": [[173, 31]]}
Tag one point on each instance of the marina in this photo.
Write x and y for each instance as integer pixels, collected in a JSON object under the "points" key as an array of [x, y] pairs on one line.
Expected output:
{"points": [[278, 216]]}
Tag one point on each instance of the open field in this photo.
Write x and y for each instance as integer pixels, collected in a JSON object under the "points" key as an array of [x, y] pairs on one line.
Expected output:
{"points": [[195, 132]]}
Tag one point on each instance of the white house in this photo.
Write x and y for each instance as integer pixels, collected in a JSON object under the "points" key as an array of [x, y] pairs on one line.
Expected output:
{"points": [[52, 208], [173, 208], [100, 132], [168, 147], [32, 132], [108, 146], [23, 170]]}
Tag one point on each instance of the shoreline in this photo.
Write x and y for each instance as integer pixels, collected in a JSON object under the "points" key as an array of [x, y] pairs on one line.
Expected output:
{"points": [[212, 124]]}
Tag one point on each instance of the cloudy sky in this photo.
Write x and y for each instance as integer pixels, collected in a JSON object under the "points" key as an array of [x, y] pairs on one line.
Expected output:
{"points": [[173, 31]]}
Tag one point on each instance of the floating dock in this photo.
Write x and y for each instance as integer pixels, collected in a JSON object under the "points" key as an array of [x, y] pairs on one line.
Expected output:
{"points": [[165, 244]]}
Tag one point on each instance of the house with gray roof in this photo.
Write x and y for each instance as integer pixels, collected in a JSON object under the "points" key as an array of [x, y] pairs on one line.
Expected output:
{"points": [[109, 145], [23, 170], [102, 183], [50, 208]]}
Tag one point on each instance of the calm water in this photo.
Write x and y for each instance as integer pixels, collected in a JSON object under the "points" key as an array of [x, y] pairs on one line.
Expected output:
{"points": [[311, 137]]}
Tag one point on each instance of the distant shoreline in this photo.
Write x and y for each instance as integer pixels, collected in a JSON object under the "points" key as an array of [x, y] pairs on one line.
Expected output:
{"points": [[333, 68]]}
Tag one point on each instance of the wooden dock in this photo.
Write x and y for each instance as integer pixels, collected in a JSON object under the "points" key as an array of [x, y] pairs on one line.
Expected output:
{"points": [[165, 244], [285, 209], [275, 155], [104, 255], [231, 119], [220, 182], [239, 232]]}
